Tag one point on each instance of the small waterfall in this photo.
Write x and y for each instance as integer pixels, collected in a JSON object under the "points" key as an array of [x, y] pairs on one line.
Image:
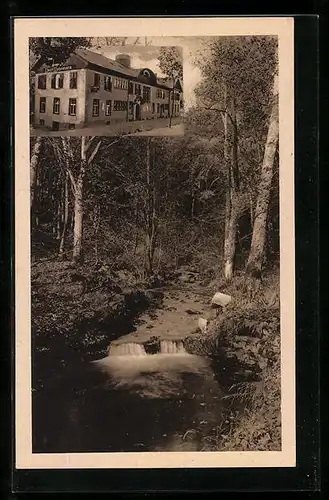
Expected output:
{"points": [[134, 349], [129, 349], [172, 347]]}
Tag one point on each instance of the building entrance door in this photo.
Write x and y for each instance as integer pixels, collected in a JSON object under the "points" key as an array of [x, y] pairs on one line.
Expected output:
{"points": [[137, 112], [131, 115], [55, 126]]}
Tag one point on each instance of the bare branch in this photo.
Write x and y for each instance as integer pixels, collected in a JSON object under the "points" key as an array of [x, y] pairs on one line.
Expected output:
{"points": [[63, 161]]}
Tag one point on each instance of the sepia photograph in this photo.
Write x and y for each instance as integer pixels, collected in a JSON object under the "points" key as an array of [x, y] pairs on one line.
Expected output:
{"points": [[105, 87], [157, 322]]}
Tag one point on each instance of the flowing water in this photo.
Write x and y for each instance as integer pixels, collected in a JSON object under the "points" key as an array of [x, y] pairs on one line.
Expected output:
{"points": [[132, 401]]}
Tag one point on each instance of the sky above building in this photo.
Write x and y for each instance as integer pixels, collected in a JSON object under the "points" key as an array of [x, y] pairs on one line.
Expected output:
{"points": [[145, 53]]}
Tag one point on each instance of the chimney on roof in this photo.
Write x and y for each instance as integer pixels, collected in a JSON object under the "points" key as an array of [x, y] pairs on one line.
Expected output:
{"points": [[123, 59]]}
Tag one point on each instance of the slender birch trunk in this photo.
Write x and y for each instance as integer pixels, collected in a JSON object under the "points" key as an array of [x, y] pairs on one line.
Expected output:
{"points": [[258, 244], [96, 225], [151, 225], [230, 237], [136, 225], [59, 216], [232, 194], [34, 168], [78, 205], [65, 216]]}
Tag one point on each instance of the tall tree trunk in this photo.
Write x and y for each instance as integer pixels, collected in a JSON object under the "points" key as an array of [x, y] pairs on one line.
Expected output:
{"points": [[169, 104], [151, 227], [97, 220], [77, 184], [258, 244], [34, 167], [230, 240], [37, 195], [60, 208], [78, 221], [235, 165], [252, 211], [59, 217], [193, 205], [232, 194], [78, 205], [136, 225], [72, 221], [65, 216]]}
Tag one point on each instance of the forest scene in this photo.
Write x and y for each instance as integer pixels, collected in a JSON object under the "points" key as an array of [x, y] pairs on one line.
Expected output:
{"points": [[156, 260]]}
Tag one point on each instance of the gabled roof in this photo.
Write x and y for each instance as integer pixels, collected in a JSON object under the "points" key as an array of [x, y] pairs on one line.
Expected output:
{"points": [[88, 57], [104, 62]]}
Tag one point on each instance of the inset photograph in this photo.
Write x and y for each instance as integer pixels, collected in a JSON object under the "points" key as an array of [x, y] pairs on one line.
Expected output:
{"points": [[80, 86]]}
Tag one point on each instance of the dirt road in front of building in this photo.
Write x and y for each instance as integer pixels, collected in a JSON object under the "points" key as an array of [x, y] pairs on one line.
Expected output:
{"points": [[175, 130], [158, 127]]}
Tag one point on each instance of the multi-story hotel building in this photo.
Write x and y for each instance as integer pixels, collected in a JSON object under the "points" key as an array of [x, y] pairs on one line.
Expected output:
{"points": [[91, 88]]}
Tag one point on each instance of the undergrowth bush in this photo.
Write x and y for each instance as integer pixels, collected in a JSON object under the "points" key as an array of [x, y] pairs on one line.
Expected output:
{"points": [[248, 331]]}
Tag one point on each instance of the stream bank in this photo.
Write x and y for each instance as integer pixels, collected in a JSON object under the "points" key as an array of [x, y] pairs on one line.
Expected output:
{"points": [[177, 381]]}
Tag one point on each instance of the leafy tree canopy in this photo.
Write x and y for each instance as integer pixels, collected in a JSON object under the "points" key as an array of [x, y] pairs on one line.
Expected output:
{"points": [[56, 48], [170, 62]]}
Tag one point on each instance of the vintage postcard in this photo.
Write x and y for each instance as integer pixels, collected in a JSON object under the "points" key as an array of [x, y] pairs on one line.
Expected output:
{"points": [[154, 244]]}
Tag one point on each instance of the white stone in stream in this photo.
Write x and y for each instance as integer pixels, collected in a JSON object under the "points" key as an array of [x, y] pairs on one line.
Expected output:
{"points": [[202, 324], [220, 299]]}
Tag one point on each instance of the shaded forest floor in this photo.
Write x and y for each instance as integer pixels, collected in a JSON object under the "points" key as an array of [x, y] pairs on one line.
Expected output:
{"points": [[78, 311]]}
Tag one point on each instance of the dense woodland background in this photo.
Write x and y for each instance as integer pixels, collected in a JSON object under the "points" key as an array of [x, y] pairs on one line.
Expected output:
{"points": [[125, 213]]}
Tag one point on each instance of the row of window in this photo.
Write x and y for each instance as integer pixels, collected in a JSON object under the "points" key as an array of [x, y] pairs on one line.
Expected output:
{"points": [[57, 81], [162, 94], [117, 106], [97, 82], [119, 83], [165, 107], [72, 109]]}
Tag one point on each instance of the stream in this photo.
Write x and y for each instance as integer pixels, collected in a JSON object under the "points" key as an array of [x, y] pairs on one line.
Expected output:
{"points": [[133, 399]]}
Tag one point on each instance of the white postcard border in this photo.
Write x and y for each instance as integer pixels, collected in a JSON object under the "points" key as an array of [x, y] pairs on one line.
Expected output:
{"points": [[194, 26]]}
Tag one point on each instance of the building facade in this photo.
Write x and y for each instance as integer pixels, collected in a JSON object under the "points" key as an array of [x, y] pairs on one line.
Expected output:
{"points": [[92, 89]]}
